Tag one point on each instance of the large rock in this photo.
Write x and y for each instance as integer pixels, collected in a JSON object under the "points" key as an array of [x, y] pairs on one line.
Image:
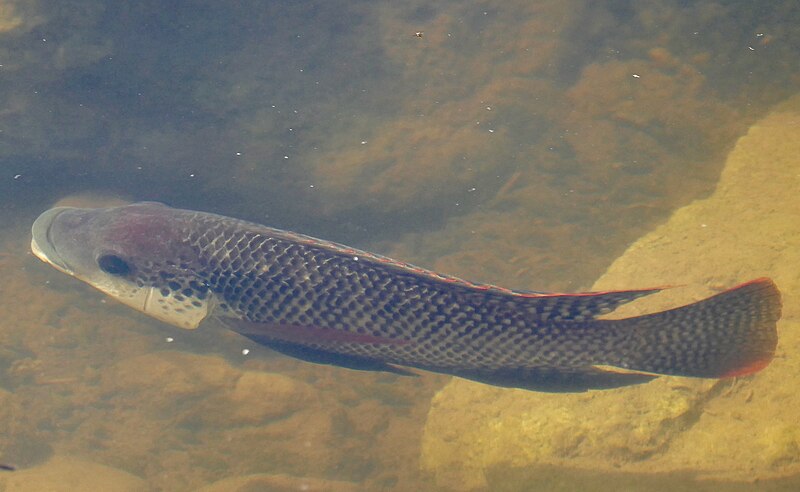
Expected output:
{"points": [[732, 429]]}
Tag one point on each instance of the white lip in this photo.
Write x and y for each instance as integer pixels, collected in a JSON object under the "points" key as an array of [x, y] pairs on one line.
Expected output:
{"points": [[40, 242]]}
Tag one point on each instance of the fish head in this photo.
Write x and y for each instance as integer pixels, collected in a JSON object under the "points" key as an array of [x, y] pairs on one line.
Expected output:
{"points": [[138, 254]]}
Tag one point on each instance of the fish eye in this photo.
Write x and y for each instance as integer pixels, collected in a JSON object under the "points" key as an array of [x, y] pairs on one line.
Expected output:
{"points": [[113, 265]]}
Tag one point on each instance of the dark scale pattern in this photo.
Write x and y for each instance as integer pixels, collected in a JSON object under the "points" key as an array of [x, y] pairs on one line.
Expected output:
{"points": [[328, 303], [319, 300], [273, 277], [740, 314]]}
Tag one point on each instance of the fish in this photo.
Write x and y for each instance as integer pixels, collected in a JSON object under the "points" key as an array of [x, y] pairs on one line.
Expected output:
{"points": [[328, 303]]}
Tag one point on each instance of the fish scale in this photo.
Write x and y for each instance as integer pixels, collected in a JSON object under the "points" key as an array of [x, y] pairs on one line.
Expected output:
{"points": [[365, 285], [264, 276], [326, 302]]}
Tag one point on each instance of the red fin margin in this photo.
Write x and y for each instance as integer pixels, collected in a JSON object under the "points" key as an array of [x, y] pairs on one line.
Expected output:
{"points": [[747, 370]]}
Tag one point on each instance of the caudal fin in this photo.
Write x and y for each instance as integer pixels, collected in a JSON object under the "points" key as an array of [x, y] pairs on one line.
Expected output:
{"points": [[730, 334]]}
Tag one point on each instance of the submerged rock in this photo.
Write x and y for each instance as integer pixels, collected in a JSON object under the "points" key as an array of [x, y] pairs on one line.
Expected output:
{"points": [[68, 474], [733, 429]]}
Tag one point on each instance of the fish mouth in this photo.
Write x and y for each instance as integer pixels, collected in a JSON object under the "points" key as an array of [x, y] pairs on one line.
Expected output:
{"points": [[41, 244]]}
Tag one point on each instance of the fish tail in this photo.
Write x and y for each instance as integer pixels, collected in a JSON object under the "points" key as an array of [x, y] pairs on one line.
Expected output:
{"points": [[730, 334]]}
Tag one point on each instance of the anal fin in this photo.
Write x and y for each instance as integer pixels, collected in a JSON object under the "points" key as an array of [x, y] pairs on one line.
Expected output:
{"points": [[552, 380]]}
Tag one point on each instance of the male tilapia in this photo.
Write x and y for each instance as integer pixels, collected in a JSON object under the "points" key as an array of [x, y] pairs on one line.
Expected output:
{"points": [[328, 303]]}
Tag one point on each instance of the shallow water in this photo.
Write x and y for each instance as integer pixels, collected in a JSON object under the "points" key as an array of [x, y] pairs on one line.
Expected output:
{"points": [[524, 144]]}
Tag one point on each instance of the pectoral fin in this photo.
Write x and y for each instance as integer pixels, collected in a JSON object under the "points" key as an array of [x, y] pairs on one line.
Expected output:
{"points": [[294, 341]]}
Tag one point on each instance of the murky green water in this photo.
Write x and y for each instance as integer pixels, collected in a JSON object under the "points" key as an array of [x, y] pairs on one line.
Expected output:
{"points": [[521, 143]]}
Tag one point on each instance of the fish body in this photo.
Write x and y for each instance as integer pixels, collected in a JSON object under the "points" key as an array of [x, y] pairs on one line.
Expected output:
{"points": [[328, 303]]}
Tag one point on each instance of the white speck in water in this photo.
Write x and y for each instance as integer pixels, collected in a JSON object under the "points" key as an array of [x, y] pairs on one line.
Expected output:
{"points": [[310, 186], [17, 176], [238, 153], [286, 157], [636, 76], [488, 108], [703, 225], [355, 258], [245, 351], [491, 131], [363, 142], [169, 339], [751, 48]]}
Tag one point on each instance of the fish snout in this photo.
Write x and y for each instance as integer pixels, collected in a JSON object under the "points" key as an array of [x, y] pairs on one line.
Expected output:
{"points": [[41, 243]]}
